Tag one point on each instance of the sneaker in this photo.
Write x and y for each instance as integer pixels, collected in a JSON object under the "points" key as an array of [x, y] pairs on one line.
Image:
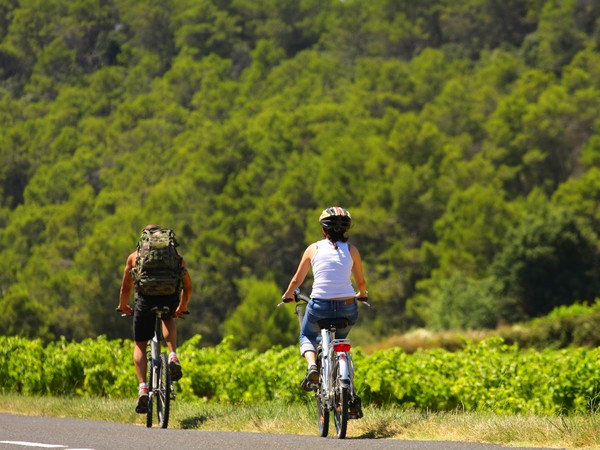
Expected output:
{"points": [[354, 408], [311, 379], [142, 402], [175, 368]]}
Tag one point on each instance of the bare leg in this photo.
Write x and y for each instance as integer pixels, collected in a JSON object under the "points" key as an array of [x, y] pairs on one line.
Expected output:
{"points": [[312, 376], [139, 360], [170, 333], [311, 357]]}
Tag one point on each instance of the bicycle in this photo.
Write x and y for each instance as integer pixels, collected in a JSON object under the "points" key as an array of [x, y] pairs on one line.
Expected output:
{"points": [[335, 388], [160, 386]]}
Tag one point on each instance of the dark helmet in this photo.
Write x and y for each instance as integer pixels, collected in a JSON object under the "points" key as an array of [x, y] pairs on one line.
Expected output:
{"points": [[336, 219]]}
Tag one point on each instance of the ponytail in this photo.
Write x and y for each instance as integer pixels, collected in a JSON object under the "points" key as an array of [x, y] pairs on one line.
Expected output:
{"points": [[335, 236]]}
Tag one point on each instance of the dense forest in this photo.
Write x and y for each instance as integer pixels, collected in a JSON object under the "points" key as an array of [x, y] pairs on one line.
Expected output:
{"points": [[464, 138]]}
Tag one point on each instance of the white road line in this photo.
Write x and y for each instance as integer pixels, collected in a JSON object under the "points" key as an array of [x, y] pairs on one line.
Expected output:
{"points": [[37, 444], [33, 444]]}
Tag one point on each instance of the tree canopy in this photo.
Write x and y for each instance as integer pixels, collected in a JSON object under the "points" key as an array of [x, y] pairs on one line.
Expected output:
{"points": [[464, 137]]}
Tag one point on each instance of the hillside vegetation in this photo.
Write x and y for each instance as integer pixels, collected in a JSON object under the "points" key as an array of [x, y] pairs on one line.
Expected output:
{"points": [[464, 137]]}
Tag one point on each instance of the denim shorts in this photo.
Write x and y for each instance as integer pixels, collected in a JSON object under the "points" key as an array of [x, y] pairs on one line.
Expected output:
{"points": [[318, 309]]}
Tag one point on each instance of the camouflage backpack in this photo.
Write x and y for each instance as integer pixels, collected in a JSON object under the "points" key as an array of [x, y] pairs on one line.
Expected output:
{"points": [[158, 268]]}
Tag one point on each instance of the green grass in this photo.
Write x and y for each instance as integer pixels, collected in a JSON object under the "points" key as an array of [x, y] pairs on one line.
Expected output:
{"points": [[573, 432]]}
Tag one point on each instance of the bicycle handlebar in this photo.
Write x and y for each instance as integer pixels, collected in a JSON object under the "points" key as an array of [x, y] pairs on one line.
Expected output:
{"points": [[119, 310], [364, 301], [298, 296]]}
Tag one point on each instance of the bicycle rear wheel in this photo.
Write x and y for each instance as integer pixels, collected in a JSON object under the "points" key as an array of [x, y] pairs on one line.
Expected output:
{"points": [[340, 404], [322, 410], [163, 393], [150, 378]]}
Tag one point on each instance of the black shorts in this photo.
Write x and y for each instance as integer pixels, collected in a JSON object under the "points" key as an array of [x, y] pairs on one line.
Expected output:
{"points": [[143, 317]]}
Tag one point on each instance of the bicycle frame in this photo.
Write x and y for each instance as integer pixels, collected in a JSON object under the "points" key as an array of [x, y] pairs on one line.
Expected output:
{"points": [[155, 349]]}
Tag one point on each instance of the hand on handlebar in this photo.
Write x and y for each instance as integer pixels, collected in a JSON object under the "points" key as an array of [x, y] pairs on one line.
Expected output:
{"points": [[363, 299], [126, 311], [285, 300]]}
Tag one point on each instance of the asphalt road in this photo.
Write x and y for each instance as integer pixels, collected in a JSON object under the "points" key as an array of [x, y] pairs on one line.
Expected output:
{"points": [[24, 432]]}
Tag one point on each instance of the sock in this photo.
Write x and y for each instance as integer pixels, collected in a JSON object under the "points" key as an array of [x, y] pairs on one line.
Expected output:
{"points": [[172, 355], [143, 386]]}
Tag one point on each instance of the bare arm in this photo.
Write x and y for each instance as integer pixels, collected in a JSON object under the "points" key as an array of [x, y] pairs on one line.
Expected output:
{"points": [[127, 285], [186, 293], [301, 272], [357, 272]]}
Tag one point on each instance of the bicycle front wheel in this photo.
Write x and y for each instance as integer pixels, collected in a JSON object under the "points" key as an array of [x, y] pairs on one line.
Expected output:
{"points": [[340, 405], [163, 393]]}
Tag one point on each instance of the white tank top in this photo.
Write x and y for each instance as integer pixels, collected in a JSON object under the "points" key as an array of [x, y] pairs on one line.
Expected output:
{"points": [[331, 271]]}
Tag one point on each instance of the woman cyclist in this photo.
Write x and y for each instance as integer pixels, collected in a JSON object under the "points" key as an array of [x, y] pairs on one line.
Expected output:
{"points": [[333, 261]]}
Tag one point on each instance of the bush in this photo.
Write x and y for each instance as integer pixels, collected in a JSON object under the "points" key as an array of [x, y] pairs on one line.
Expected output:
{"points": [[566, 326], [487, 376]]}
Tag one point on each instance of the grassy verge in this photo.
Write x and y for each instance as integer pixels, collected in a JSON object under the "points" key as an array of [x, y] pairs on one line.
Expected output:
{"points": [[573, 432]]}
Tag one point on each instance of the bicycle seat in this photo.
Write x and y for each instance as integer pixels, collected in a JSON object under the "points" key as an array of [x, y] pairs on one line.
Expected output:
{"points": [[161, 309], [333, 323]]}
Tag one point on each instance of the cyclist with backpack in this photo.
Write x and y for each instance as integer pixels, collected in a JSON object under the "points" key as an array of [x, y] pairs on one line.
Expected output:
{"points": [[159, 277], [333, 261]]}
